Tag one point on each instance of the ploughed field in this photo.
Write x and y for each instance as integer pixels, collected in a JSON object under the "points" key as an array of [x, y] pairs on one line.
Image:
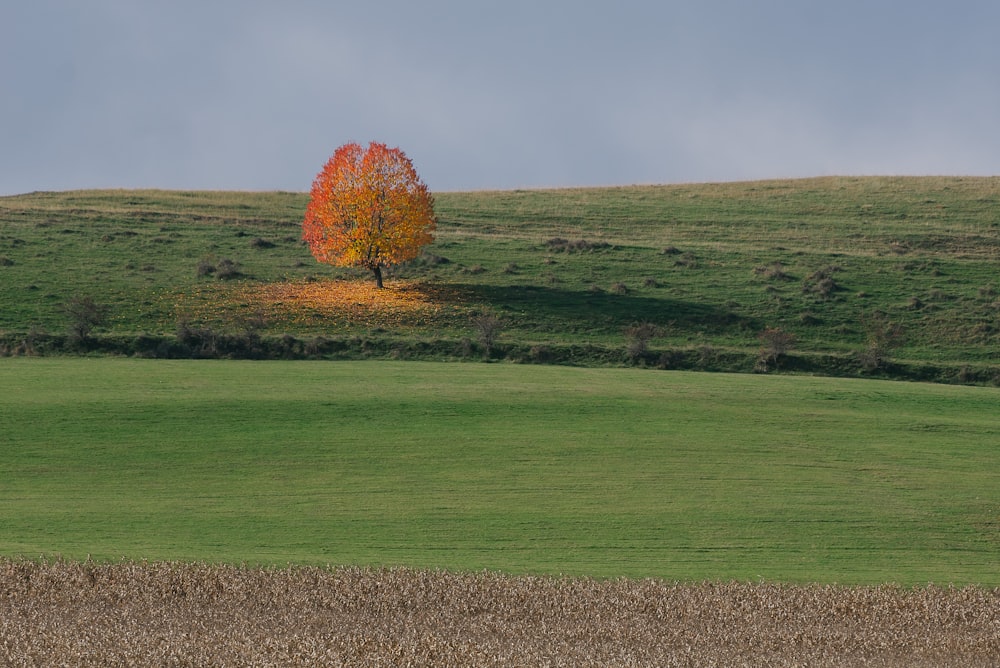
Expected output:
{"points": [[179, 614]]}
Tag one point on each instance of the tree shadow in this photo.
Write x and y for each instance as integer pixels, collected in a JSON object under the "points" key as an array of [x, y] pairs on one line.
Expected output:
{"points": [[600, 311]]}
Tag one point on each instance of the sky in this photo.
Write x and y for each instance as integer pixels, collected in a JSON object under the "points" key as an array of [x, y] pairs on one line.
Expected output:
{"points": [[257, 95]]}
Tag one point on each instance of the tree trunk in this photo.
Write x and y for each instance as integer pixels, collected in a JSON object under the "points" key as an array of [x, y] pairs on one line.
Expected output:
{"points": [[378, 276]]}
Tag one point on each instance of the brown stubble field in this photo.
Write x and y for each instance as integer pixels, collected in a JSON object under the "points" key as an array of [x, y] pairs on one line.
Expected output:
{"points": [[185, 614]]}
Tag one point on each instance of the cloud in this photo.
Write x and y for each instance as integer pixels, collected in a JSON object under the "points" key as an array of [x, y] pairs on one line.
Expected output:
{"points": [[257, 95]]}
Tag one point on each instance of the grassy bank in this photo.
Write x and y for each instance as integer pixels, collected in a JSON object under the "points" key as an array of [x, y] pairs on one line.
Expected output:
{"points": [[603, 472]]}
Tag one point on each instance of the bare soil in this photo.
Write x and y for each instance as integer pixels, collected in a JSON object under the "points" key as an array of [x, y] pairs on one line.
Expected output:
{"points": [[178, 614]]}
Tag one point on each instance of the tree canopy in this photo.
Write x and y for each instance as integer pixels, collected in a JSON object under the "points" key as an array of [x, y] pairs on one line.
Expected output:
{"points": [[368, 208]]}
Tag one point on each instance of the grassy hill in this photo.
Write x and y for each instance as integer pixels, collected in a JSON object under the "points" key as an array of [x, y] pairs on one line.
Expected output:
{"points": [[894, 277]]}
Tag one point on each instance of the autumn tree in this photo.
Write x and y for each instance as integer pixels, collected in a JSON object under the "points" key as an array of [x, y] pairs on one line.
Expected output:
{"points": [[368, 208]]}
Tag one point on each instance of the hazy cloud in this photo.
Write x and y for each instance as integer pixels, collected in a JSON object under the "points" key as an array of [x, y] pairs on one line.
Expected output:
{"points": [[257, 95]]}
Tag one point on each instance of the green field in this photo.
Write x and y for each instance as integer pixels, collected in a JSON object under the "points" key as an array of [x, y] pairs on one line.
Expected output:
{"points": [[711, 266], [525, 469], [593, 456]]}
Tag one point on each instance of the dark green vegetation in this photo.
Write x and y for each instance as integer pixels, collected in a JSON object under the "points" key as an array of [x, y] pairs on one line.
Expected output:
{"points": [[602, 472], [895, 277]]}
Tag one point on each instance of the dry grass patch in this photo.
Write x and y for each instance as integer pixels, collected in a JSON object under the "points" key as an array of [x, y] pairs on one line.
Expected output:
{"points": [[190, 614]]}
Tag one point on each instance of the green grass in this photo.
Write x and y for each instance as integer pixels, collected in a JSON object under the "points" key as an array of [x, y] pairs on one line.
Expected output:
{"points": [[601, 472], [696, 260]]}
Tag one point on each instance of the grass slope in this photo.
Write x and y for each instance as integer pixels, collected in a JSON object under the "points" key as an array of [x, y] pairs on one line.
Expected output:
{"points": [[602, 472], [710, 265]]}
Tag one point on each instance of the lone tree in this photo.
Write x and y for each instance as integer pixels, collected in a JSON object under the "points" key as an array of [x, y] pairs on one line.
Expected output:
{"points": [[368, 208]]}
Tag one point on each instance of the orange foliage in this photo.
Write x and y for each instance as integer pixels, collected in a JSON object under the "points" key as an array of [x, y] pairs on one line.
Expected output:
{"points": [[368, 208], [331, 305], [347, 303]]}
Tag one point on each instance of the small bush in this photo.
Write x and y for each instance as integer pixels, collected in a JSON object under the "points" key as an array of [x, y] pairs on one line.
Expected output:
{"points": [[687, 260], [775, 344], [619, 289], [429, 260], [227, 269], [773, 272], [261, 243], [205, 268], [315, 346], [31, 344], [579, 246], [541, 354], [670, 359], [637, 338], [199, 341], [882, 337], [84, 314], [465, 347], [6, 262], [708, 355], [822, 283], [253, 323], [488, 327]]}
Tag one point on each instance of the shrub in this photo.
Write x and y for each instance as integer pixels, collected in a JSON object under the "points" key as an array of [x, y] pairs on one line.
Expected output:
{"points": [[619, 288], [579, 246], [252, 323], [227, 269], [84, 314], [315, 346], [205, 268], [822, 283], [670, 359], [637, 338], [429, 260], [199, 341], [775, 343], [774, 272], [465, 347], [882, 337], [488, 327], [541, 354], [688, 260]]}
